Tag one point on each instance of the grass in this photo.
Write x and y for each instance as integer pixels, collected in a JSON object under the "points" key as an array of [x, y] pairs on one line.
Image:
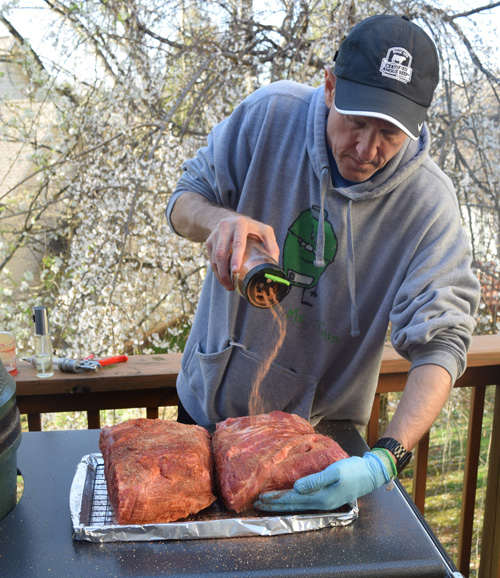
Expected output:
{"points": [[445, 467]]}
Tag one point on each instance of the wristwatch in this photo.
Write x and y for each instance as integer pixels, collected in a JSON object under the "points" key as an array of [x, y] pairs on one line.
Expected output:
{"points": [[397, 450]]}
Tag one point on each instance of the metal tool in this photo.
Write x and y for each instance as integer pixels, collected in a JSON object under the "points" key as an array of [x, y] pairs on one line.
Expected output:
{"points": [[70, 365], [76, 365]]}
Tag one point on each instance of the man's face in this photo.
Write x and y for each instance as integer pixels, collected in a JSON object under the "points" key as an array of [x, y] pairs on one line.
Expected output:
{"points": [[361, 145]]}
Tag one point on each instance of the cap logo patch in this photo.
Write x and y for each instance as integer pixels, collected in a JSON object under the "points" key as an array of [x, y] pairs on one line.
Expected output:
{"points": [[397, 64]]}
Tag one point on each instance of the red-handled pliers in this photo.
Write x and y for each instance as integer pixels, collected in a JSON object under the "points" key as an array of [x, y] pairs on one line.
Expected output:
{"points": [[114, 359], [81, 365]]}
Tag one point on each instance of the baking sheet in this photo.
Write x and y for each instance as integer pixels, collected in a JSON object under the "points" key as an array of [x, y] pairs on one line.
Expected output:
{"points": [[93, 519]]}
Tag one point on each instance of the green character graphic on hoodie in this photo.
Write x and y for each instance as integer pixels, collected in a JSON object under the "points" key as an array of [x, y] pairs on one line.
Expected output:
{"points": [[299, 251]]}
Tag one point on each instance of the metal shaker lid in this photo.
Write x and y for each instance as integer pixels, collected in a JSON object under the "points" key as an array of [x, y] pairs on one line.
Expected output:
{"points": [[41, 319]]}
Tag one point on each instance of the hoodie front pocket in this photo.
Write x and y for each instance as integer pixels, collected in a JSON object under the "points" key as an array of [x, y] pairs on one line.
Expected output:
{"points": [[231, 383]]}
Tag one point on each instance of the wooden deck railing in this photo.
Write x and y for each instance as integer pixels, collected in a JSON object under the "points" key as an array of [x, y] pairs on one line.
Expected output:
{"points": [[149, 381]]}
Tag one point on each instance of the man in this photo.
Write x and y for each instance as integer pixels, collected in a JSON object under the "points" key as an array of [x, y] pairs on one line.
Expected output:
{"points": [[337, 183]]}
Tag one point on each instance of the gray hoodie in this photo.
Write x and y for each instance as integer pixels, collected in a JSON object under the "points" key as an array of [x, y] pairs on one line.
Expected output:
{"points": [[389, 250]]}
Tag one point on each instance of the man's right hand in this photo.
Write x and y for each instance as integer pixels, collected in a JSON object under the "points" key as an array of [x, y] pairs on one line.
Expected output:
{"points": [[227, 242], [224, 231]]}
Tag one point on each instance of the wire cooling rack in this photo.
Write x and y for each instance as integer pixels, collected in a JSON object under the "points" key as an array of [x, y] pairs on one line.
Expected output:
{"points": [[100, 511], [93, 518]]}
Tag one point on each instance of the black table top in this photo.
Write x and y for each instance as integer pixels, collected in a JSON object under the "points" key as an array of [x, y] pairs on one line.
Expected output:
{"points": [[389, 539]]}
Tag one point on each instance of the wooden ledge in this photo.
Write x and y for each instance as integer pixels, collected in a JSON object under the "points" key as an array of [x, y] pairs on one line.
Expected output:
{"points": [[140, 371], [160, 371]]}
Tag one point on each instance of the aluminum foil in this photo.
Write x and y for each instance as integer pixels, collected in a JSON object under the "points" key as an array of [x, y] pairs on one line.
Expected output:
{"points": [[93, 519]]}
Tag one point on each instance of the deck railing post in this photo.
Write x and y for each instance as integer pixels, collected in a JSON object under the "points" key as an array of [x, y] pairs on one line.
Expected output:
{"points": [[420, 472], [93, 419], [490, 539], [34, 422], [372, 426], [472, 452]]}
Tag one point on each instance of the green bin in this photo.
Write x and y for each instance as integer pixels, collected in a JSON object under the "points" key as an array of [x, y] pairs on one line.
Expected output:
{"points": [[10, 438]]}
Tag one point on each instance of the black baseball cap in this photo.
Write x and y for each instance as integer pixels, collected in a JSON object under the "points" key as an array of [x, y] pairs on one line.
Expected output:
{"points": [[387, 67]]}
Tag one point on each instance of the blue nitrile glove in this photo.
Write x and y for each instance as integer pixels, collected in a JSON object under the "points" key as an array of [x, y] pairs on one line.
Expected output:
{"points": [[340, 483]]}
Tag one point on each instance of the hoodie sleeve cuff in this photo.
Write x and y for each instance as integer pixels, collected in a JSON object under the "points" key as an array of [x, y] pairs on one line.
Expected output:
{"points": [[430, 354], [170, 206]]}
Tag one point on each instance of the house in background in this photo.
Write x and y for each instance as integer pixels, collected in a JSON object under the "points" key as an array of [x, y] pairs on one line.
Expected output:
{"points": [[12, 77], [18, 115]]}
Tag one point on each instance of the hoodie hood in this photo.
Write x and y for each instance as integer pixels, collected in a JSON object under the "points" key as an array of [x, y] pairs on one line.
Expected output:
{"points": [[409, 158]]}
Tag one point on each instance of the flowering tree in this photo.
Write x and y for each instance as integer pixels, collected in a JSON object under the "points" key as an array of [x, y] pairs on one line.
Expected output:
{"points": [[134, 90]]}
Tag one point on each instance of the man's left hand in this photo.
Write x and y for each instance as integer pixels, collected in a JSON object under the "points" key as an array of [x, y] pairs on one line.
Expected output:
{"points": [[340, 483]]}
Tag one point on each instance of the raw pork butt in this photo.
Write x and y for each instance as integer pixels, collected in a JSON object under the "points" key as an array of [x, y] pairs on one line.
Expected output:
{"points": [[156, 471], [267, 452]]}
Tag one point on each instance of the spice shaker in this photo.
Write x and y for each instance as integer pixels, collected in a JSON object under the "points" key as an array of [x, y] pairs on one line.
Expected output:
{"points": [[43, 345], [260, 280]]}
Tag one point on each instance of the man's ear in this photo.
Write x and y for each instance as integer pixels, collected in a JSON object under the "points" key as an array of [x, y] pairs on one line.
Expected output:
{"points": [[329, 86]]}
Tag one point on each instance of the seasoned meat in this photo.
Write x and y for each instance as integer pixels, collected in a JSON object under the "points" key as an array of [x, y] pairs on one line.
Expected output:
{"points": [[156, 471], [267, 452]]}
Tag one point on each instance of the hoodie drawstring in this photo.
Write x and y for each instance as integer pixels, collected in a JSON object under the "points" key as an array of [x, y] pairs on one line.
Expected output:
{"points": [[319, 261], [351, 276]]}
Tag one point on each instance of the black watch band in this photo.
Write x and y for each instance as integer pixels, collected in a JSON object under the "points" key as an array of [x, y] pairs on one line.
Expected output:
{"points": [[397, 450]]}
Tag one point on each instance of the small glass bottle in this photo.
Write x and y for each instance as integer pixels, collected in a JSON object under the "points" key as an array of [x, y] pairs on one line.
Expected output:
{"points": [[43, 345]]}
